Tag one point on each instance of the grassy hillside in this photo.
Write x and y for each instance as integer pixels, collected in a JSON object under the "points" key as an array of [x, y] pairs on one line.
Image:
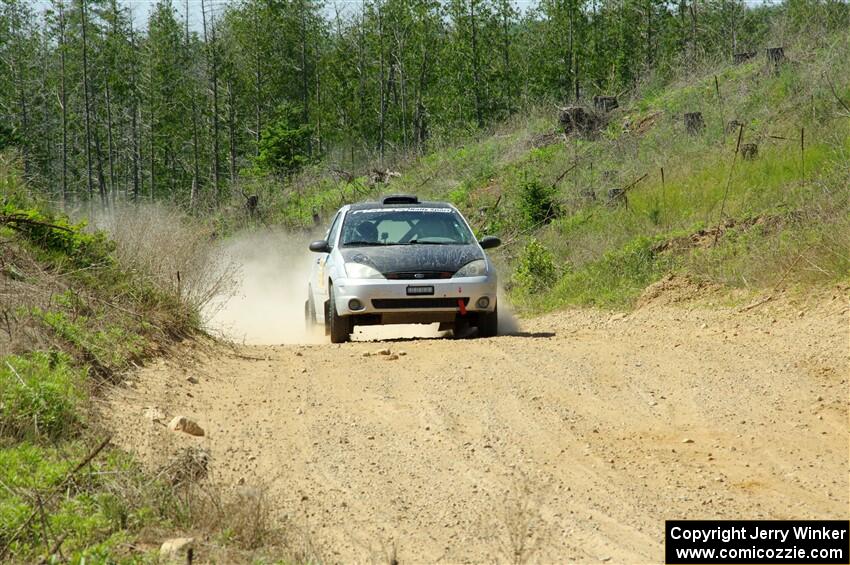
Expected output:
{"points": [[779, 218], [77, 310]]}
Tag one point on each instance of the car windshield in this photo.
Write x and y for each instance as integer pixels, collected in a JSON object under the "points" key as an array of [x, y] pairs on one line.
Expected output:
{"points": [[404, 226]]}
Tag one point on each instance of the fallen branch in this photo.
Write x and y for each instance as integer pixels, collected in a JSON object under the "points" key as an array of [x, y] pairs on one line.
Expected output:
{"points": [[632, 185], [12, 219], [562, 175], [756, 304]]}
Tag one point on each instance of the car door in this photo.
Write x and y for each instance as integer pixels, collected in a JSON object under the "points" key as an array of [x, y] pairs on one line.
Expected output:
{"points": [[320, 268]]}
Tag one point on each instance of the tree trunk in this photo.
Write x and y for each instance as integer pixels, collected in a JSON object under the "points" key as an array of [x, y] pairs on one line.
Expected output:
{"points": [[89, 183], [231, 127], [64, 101], [112, 189], [196, 169], [258, 83], [305, 92], [383, 109], [476, 79], [212, 63], [134, 120]]}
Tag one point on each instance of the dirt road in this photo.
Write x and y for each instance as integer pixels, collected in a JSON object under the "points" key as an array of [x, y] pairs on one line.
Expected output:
{"points": [[571, 441]]}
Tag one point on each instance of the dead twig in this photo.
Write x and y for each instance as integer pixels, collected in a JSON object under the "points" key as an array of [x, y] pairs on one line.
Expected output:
{"points": [[756, 304], [729, 180], [562, 175], [834, 93]]}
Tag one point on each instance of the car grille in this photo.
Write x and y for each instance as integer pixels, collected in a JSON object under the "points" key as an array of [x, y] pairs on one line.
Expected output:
{"points": [[409, 303], [419, 275]]}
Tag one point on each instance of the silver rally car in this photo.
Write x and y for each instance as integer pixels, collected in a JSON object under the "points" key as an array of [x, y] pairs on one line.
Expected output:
{"points": [[401, 261]]}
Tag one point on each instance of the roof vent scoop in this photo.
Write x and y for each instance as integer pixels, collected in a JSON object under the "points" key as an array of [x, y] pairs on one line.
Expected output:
{"points": [[400, 199]]}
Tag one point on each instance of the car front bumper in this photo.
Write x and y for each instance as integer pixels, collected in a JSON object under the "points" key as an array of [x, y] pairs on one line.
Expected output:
{"points": [[380, 296]]}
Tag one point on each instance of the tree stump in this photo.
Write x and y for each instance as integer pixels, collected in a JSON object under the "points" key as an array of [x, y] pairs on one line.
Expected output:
{"points": [[588, 194], [694, 122], [775, 58], [743, 57], [617, 197], [733, 126], [605, 104], [251, 203], [577, 119], [749, 151], [776, 55]]}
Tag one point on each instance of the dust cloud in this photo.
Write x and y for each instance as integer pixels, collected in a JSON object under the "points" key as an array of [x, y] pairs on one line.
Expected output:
{"points": [[267, 305]]}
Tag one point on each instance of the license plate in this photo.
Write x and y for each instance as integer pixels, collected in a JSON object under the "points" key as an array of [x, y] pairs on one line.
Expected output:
{"points": [[420, 290]]}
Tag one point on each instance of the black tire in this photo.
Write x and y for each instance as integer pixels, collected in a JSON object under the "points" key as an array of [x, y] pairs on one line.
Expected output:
{"points": [[488, 323], [340, 326]]}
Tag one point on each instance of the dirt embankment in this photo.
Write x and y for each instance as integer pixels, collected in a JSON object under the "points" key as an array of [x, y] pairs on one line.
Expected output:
{"points": [[572, 440]]}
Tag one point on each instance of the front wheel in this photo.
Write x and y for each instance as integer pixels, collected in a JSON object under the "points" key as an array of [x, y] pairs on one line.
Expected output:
{"points": [[488, 323], [340, 326]]}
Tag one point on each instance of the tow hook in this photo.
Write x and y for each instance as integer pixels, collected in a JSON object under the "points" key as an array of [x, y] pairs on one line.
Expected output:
{"points": [[462, 306]]}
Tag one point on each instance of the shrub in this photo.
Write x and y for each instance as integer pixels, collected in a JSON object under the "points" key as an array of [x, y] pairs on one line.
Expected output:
{"points": [[536, 202], [536, 269], [39, 397]]}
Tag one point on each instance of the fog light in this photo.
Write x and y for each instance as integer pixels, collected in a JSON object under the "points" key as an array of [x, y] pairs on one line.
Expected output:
{"points": [[483, 302], [355, 304]]}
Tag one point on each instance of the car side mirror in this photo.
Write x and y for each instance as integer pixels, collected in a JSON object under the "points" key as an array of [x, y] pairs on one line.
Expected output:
{"points": [[490, 242], [320, 246]]}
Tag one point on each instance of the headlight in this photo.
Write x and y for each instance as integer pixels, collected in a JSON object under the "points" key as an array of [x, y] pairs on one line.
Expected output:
{"points": [[361, 271], [475, 268]]}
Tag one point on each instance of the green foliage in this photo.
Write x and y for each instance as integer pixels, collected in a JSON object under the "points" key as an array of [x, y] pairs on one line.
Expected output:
{"points": [[39, 397], [95, 512], [58, 237], [615, 280], [537, 202], [109, 349], [285, 144], [8, 137], [535, 269]]}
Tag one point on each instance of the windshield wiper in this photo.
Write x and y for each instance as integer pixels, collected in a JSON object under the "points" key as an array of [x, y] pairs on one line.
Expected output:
{"points": [[417, 242], [362, 243]]}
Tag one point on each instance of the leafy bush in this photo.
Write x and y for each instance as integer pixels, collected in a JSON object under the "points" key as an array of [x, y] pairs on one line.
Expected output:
{"points": [[536, 269], [39, 397], [537, 202]]}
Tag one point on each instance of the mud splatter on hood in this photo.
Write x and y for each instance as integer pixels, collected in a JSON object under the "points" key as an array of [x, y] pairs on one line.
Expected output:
{"points": [[414, 258]]}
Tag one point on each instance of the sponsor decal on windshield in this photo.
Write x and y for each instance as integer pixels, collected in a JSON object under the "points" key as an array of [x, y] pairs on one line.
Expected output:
{"points": [[418, 209]]}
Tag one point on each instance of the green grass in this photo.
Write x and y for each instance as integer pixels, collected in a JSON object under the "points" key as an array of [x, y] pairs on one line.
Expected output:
{"points": [[75, 317], [96, 512], [40, 397]]}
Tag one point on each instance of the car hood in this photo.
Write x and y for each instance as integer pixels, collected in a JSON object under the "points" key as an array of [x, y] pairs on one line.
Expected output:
{"points": [[413, 258]]}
